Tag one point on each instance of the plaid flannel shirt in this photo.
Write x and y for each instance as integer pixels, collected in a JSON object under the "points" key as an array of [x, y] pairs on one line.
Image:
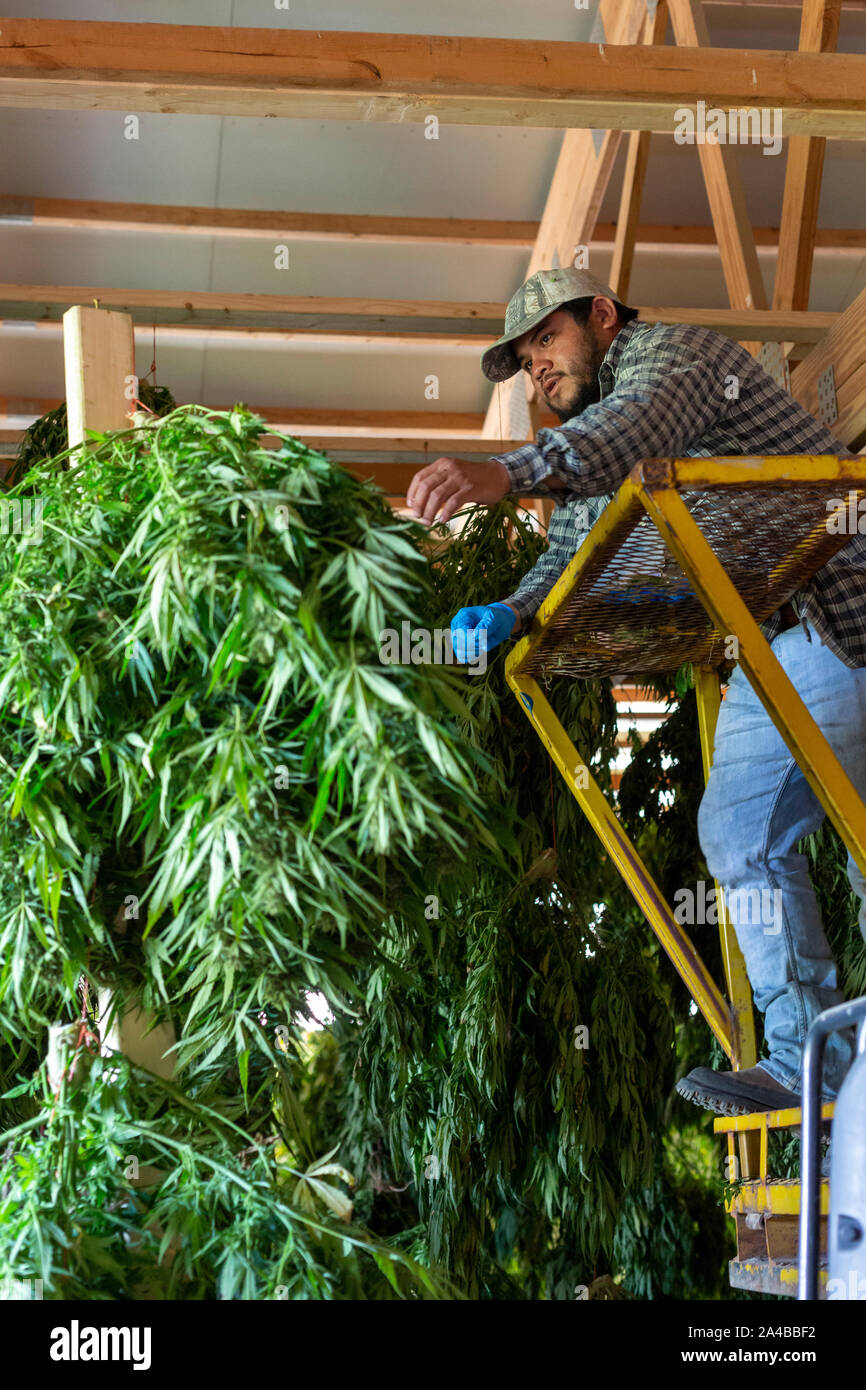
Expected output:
{"points": [[664, 394]]}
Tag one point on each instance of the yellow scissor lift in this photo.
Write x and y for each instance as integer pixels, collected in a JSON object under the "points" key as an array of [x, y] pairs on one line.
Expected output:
{"points": [[689, 553]]}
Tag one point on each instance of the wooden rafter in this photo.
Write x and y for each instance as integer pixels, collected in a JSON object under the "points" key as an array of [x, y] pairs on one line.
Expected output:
{"points": [[690, 237], [196, 69], [780, 4], [430, 424], [637, 156], [363, 321], [216, 309], [737, 249], [90, 214], [324, 337], [819, 31]]}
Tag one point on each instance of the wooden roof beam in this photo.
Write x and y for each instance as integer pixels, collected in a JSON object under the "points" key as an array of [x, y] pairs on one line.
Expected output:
{"points": [[691, 237], [432, 424], [365, 321], [91, 214], [215, 309], [195, 69], [390, 463], [780, 4]]}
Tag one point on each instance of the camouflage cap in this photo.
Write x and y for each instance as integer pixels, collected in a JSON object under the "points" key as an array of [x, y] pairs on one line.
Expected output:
{"points": [[538, 297]]}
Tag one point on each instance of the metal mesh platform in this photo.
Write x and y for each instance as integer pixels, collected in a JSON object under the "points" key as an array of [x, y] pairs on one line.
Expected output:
{"points": [[629, 606]]}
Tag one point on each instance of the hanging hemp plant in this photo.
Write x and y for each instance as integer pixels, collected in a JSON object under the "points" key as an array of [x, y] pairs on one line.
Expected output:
{"points": [[213, 796], [48, 436], [217, 799], [508, 1085]]}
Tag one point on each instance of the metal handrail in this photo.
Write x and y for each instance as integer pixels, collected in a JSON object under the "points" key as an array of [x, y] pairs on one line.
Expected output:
{"points": [[830, 1021]]}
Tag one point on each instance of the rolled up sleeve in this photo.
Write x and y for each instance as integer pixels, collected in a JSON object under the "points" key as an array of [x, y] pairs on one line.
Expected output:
{"points": [[567, 531]]}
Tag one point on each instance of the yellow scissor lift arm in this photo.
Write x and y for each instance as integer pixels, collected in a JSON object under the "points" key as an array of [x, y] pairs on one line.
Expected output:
{"points": [[690, 553]]}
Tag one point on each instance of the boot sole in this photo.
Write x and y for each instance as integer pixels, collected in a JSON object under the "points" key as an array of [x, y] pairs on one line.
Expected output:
{"points": [[729, 1106]]}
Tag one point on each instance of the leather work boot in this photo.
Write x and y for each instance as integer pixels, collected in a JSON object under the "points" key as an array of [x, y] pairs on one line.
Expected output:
{"points": [[736, 1092]]}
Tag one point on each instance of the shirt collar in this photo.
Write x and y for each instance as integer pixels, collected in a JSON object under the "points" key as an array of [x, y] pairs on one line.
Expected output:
{"points": [[617, 347]]}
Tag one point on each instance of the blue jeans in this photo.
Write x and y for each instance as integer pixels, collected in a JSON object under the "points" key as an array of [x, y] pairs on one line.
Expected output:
{"points": [[756, 807]]}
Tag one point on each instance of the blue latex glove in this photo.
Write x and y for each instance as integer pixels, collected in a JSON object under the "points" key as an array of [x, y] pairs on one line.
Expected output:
{"points": [[496, 619]]}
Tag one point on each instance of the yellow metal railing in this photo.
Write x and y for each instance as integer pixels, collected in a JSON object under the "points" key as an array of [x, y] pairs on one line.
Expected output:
{"points": [[766, 1210], [561, 638]]}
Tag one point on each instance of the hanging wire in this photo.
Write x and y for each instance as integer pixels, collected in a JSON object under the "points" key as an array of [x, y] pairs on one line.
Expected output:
{"points": [[152, 367]]}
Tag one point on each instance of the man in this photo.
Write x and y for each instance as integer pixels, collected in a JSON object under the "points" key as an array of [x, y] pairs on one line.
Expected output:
{"points": [[625, 391]]}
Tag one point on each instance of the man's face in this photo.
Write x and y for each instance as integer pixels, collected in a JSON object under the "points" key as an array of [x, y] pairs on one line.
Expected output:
{"points": [[563, 357]]}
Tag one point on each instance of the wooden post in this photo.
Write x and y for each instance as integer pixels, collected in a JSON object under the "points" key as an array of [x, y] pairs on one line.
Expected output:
{"points": [[619, 277], [734, 234], [819, 32], [99, 352], [136, 1037]]}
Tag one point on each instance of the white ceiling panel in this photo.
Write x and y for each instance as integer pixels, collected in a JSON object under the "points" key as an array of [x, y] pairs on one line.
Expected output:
{"points": [[505, 19], [83, 154], [358, 167]]}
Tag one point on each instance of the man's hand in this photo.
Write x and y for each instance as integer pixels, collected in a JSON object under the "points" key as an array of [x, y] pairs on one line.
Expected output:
{"points": [[448, 484]]}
